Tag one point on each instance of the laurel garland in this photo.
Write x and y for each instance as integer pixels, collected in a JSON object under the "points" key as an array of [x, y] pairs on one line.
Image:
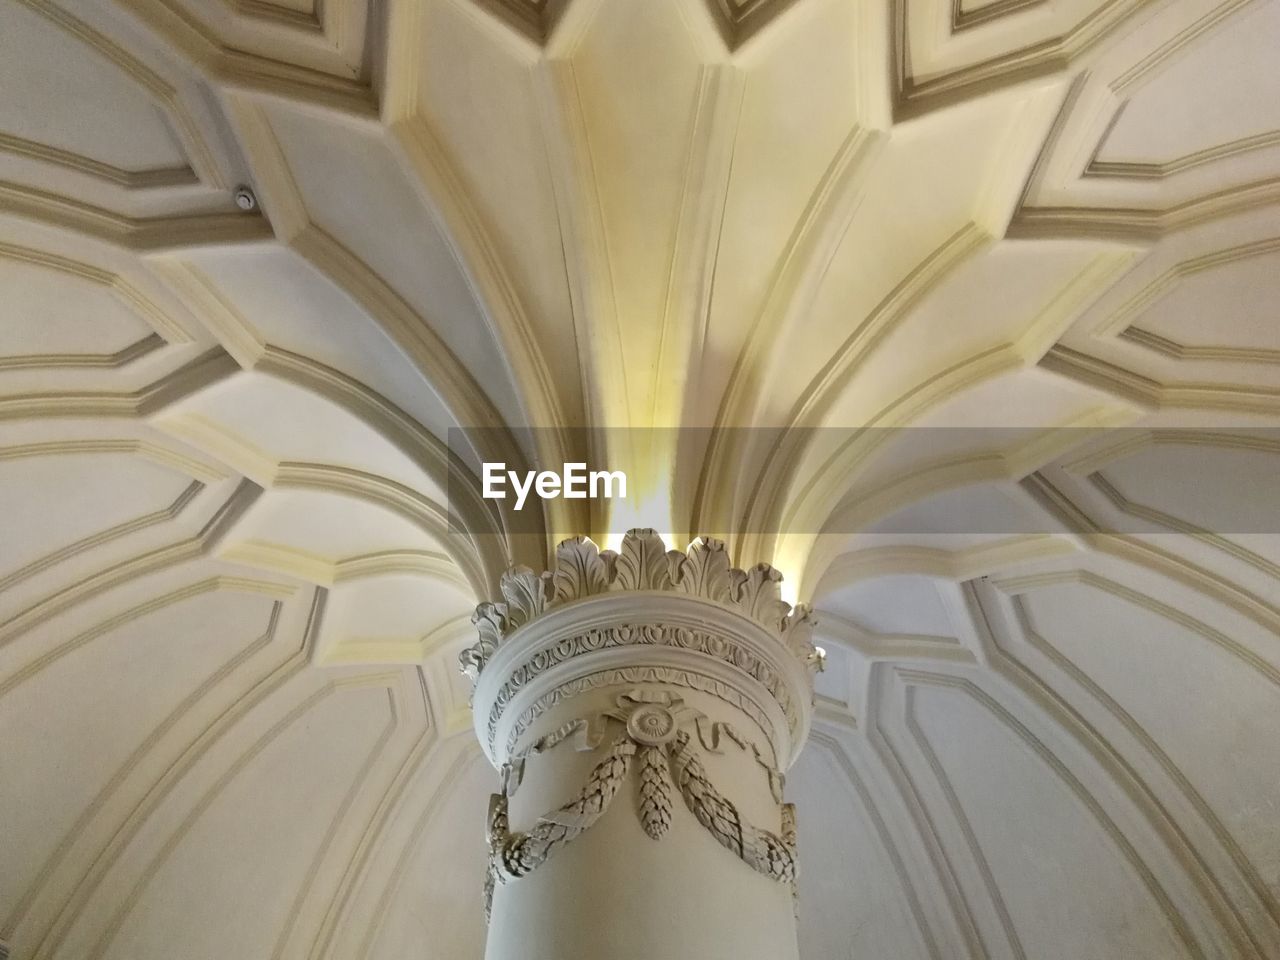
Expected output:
{"points": [[514, 855]]}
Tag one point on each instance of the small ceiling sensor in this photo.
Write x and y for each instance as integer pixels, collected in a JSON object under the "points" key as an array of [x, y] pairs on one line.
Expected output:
{"points": [[246, 199]]}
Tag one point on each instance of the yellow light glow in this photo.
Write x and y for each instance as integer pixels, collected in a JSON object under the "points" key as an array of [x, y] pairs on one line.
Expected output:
{"points": [[651, 509], [789, 588], [789, 557], [649, 468]]}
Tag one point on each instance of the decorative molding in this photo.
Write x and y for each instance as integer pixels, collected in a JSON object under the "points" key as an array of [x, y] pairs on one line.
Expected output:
{"points": [[199, 373], [164, 325], [344, 88], [624, 635], [1233, 648], [1122, 323], [802, 267], [534, 19], [212, 308], [202, 159], [427, 814], [117, 841], [1125, 845], [144, 235], [1051, 55], [655, 724], [1136, 224], [1252, 927], [95, 540], [740, 20], [644, 563], [309, 20], [158, 178], [502, 305], [812, 503], [146, 449], [1140, 72], [839, 751], [243, 760], [147, 346], [963, 564], [1024, 674], [133, 568], [1136, 170], [1152, 394], [1090, 111], [1178, 525], [424, 448], [965, 19], [178, 52], [639, 674], [156, 735], [1181, 352], [961, 818]]}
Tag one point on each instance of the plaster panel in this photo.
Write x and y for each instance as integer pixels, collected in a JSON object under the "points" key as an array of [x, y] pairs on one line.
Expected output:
{"points": [[1217, 488], [289, 519], [114, 691], [1232, 305], [61, 93], [488, 113], [357, 191], [907, 604], [294, 306], [253, 847], [1223, 90], [1210, 709], [871, 915], [441, 880], [53, 312], [54, 502], [1050, 862]]}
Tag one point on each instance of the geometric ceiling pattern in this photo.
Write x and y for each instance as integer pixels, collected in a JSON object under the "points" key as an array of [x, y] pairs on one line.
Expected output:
{"points": [[230, 602]]}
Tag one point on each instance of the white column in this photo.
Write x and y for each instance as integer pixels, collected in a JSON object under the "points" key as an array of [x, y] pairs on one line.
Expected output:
{"points": [[640, 709]]}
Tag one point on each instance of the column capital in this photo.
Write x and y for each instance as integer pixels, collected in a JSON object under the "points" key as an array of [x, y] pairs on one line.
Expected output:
{"points": [[641, 615]]}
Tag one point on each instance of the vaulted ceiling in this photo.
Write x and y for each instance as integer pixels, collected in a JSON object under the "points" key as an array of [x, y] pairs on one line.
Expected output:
{"points": [[230, 599]]}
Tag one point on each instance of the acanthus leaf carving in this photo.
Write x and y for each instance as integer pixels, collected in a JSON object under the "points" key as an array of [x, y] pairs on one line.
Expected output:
{"points": [[527, 594], [642, 564], [676, 559], [705, 571], [758, 594], [797, 634], [580, 570], [490, 620]]}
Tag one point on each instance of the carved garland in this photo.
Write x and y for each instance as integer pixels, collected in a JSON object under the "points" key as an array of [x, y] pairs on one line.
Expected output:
{"points": [[644, 563], [655, 729]]}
